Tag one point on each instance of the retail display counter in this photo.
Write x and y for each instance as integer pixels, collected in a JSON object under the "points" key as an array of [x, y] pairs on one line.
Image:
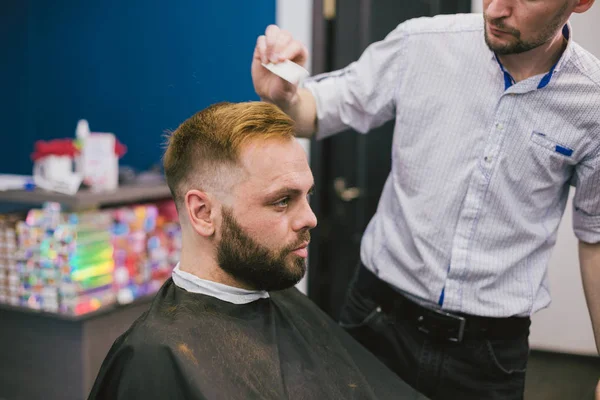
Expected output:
{"points": [[45, 352], [56, 357]]}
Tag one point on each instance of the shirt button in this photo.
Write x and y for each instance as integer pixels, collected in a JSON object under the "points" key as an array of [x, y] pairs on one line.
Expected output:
{"points": [[488, 159], [499, 126]]}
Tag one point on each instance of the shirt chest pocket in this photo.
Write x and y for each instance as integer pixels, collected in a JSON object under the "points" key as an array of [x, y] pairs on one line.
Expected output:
{"points": [[552, 145], [551, 155]]}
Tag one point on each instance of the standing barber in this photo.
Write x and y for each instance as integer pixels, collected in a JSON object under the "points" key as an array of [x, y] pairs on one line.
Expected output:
{"points": [[496, 117]]}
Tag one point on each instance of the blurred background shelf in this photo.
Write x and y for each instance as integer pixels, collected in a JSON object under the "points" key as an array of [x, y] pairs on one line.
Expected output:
{"points": [[105, 309], [86, 199], [56, 355]]}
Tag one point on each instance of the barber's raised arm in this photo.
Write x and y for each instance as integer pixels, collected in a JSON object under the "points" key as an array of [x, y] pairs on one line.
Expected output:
{"points": [[277, 45], [360, 96]]}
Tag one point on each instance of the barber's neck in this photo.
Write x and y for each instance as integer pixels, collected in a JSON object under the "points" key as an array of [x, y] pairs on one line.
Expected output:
{"points": [[536, 61]]}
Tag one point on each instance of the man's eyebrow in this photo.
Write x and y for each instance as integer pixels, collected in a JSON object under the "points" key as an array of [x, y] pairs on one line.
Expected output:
{"points": [[288, 191]]}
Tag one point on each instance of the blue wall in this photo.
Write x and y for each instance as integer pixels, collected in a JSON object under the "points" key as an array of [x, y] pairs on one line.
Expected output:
{"points": [[133, 67]]}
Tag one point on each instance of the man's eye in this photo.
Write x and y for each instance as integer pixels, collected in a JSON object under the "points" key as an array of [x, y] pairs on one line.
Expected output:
{"points": [[282, 203]]}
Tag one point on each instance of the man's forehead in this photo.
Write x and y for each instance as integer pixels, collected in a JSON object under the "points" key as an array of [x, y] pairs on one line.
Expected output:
{"points": [[273, 157], [271, 166], [297, 181], [276, 179]]}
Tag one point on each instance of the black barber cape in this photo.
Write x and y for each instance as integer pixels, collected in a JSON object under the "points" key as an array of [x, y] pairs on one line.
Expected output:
{"points": [[193, 346]]}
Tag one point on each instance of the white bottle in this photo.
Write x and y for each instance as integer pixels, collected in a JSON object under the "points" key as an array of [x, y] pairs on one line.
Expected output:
{"points": [[82, 132]]}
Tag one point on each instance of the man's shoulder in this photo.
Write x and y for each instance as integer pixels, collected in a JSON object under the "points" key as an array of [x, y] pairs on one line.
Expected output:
{"points": [[170, 311], [161, 330], [146, 331], [446, 24], [587, 63]]}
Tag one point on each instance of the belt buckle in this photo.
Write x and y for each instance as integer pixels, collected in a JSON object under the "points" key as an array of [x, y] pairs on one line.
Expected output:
{"points": [[456, 338]]}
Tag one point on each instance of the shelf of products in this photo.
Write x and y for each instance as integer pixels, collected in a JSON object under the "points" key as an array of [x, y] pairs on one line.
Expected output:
{"points": [[75, 272], [79, 263], [86, 199]]}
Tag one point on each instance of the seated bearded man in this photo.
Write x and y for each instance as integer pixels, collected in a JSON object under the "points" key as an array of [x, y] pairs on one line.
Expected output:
{"points": [[229, 324]]}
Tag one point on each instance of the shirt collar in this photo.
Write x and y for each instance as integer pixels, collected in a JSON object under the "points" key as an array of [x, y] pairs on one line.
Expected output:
{"points": [[230, 294], [565, 56]]}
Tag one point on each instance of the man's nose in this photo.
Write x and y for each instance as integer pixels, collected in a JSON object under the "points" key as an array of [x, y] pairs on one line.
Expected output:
{"points": [[306, 218], [499, 9]]}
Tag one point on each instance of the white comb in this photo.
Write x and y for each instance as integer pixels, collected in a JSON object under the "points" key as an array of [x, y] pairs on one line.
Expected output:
{"points": [[288, 70]]}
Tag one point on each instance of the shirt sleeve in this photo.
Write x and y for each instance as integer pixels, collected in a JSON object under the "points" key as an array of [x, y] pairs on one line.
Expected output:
{"points": [[360, 96], [586, 203]]}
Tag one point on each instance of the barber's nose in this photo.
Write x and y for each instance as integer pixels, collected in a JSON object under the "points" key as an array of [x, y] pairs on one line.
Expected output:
{"points": [[499, 9]]}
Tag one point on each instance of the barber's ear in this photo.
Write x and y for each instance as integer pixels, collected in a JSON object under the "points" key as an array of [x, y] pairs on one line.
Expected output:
{"points": [[583, 6], [201, 212]]}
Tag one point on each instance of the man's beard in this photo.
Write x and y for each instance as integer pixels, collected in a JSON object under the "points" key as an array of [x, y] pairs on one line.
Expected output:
{"points": [[521, 46], [255, 265]]}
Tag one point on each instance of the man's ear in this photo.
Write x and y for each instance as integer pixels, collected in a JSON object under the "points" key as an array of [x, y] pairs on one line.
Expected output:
{"points": [[201, 212], [583, 5]]}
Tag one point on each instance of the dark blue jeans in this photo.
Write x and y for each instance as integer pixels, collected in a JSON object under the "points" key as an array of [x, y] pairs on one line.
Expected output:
{"points": [[476, 368]]}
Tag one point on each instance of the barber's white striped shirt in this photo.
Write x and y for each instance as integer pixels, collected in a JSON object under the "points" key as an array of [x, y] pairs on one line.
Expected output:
{"points": [[481, 167]]}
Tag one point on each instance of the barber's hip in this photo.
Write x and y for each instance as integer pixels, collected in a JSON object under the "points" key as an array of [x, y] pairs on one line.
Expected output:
{"points": [[369, 299]]}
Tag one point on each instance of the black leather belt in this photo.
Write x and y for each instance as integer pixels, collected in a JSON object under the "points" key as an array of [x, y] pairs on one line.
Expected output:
{"points": [[439, 324]]}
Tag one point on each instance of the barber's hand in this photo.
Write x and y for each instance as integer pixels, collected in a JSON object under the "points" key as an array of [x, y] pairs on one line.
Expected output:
{"points": [[274, 46]]}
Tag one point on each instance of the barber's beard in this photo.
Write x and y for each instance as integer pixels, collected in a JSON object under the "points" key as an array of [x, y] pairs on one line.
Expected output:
{"points": [[520, 46], [255, 265]]}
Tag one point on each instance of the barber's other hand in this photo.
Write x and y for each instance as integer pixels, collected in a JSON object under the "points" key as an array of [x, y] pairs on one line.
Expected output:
{"points": [[274, 46]]}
